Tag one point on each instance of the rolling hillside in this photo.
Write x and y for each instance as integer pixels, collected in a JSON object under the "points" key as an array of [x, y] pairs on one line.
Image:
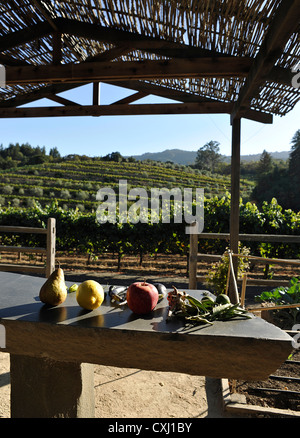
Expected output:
{"points": [[76, 182], [179, 156]]}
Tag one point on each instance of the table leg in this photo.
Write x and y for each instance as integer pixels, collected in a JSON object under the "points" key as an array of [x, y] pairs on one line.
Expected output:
{"points": [[45, 388]]}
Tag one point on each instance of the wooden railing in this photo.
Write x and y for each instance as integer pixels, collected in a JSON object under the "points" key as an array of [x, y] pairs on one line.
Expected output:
{"points": [[49, 251], [195, 257]]}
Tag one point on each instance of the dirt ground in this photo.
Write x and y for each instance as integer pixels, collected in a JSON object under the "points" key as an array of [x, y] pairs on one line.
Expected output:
{"points": [[287, 396], [132, 393]]}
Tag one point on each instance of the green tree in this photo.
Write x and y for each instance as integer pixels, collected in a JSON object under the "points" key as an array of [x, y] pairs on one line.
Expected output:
{"points": [[282, 181], [54, 153], [294, 171], [208, 156], [294, 160], [114, 156], [265, 162]]}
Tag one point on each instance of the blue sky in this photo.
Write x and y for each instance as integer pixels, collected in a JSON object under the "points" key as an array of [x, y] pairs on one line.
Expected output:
{"points": [[134, 135]]}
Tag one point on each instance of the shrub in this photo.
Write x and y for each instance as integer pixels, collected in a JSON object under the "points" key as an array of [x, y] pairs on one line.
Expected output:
{"points": [[7, 190], [36, 191], [82, 195], [30, 202], [65, 194], [16, 202], [218, 274]]}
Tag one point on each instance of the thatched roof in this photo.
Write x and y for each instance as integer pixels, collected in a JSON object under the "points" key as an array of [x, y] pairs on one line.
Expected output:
{"points": [[228, 56]]}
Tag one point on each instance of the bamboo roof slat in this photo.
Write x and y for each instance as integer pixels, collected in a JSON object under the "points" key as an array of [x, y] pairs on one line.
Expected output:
{"points": [[221, 27]]}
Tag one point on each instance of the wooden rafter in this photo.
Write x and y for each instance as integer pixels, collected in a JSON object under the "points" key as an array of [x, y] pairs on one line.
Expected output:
{"points": [[136, 41], [129, 99], [61, 100], [100, 33]]}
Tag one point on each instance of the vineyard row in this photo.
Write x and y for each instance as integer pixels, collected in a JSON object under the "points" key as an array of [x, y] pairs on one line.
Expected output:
{"points": [[79, 231]]}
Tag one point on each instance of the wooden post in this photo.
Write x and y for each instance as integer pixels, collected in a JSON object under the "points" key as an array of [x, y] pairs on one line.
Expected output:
{"points": [[95, 93], [234, 294], [243, 292], [51, 239], [193, 259], [235, 197]]}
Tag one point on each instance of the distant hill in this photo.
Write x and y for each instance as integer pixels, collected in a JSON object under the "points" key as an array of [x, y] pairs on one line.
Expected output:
{"points": [[256, 157], [180, 156]]}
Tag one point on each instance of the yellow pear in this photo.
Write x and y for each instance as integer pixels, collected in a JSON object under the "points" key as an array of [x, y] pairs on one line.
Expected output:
{"points": [[54, 290]]}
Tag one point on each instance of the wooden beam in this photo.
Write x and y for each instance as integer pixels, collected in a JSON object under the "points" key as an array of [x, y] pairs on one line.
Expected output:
{"points": [[118, 110], [43, 92], [159, 90], [57, 48], [258, 116], [140, 86], [134, 40], [126, 70], [51, 91], [25, 35], [47, 90], [60, 99], [129, 99], [285, 22], [178, 95]]}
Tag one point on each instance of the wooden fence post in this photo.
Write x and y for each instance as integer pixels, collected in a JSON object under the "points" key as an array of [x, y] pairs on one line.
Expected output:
{"points": [[235, 200], [193, 259], [51, 240]]}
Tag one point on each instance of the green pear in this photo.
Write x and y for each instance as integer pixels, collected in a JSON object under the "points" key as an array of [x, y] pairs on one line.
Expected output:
{"points": [[54, 290]]}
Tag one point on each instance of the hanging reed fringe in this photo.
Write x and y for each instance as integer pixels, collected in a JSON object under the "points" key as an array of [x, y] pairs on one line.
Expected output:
{"points": [[227, 27]]}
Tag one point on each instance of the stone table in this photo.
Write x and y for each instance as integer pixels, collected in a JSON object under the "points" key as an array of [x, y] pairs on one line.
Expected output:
{"points": [[53, 349]]}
